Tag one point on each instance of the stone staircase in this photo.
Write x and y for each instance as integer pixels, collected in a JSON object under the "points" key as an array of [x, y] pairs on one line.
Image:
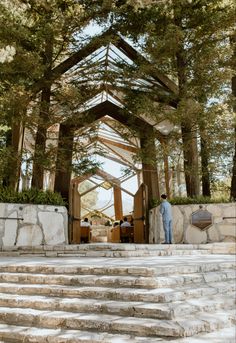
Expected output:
{"points": [[186, 298]]}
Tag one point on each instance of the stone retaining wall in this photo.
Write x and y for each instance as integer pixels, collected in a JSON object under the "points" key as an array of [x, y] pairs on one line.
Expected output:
{"points": [[222, 230], [33, 225]]}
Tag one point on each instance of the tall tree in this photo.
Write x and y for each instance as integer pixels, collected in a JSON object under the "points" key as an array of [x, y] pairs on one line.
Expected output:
{"points": [[16, 74], [187, 40], [44, 34]]}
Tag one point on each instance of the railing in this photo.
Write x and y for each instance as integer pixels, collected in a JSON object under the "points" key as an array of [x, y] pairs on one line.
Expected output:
{"points": [[11, 218]]}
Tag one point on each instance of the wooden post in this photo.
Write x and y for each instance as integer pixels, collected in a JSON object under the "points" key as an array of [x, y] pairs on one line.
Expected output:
{"points": [[118, 202], [139, 178], [74, 212]]}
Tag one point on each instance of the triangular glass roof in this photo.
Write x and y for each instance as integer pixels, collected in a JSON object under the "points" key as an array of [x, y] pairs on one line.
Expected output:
{"points": [[107, 65]]}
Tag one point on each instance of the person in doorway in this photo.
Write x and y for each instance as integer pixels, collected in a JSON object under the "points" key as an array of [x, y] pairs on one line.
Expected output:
{"points": [[166, 212], [125, 231], [85, 231], [85, 223], [125, 223]]}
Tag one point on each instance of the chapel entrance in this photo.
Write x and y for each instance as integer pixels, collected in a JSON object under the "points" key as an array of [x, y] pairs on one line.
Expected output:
{"points": [[78, 234]]}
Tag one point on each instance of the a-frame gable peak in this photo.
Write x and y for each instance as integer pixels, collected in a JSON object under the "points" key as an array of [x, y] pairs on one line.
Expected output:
{"points": [[97, 42]]}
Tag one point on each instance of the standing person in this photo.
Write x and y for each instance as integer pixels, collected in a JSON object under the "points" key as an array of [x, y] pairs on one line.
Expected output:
{"points": [[125, 223], [166, 212]]}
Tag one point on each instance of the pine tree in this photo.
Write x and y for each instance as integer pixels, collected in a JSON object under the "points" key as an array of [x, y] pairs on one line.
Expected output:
{"points": [[189, 41], [44, 33]]}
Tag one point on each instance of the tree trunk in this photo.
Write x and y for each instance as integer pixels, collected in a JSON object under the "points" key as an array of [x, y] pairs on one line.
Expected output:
{"points": [[149, 165], [190, 153], [166, 168], [44, 120], [14, 141], [233, 180], [190, 150], [40, 140], [206, 191], [64, 161]]}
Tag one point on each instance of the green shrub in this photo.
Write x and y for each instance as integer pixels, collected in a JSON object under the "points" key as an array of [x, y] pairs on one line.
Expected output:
{"points": [[31, 196], [195, 200]]}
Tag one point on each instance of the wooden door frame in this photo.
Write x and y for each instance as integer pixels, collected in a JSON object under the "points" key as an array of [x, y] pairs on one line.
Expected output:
{"points": [[141, 227], [75, 202]]}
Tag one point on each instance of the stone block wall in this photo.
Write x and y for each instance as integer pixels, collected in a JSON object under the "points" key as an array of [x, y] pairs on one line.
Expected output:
{"points": [[33, 225], [222, 230]]}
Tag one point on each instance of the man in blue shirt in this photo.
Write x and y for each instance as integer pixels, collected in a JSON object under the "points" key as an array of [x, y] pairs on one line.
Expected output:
{"points": [[166, 212]]}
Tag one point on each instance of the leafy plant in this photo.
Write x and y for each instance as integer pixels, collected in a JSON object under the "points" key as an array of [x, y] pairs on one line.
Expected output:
{"points": [[31, 196], [195, 200]]}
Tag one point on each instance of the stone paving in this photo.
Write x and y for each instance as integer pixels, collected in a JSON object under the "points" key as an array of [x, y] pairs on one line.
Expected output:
{"points": [[188, 298]]}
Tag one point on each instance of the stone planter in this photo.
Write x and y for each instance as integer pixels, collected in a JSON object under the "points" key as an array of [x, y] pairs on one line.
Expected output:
{"points": [[33, 225]]}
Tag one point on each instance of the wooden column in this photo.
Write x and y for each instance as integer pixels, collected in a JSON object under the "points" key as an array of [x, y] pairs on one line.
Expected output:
{"points": [[118, 202], [64, 161], [139, 178], [150, 178], [75, 214]]}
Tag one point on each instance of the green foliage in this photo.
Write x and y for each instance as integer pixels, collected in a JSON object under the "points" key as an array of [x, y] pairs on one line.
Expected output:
{"points": [[189, 42], [85, 166], [221, 188], [195, 200], [31, 196]]}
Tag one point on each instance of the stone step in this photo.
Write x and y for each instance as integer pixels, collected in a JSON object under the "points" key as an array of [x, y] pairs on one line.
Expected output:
{"points": [[204, 322], [111, 254], [80, 280], [161, 295], [121, 308], [226, 335], [210, 247], [120, 250], [88, 253], [24, 334], [118, 281], [96, 269]]}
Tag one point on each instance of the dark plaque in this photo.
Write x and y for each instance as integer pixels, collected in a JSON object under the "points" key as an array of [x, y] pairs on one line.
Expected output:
{"points": [[202, 219]]}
